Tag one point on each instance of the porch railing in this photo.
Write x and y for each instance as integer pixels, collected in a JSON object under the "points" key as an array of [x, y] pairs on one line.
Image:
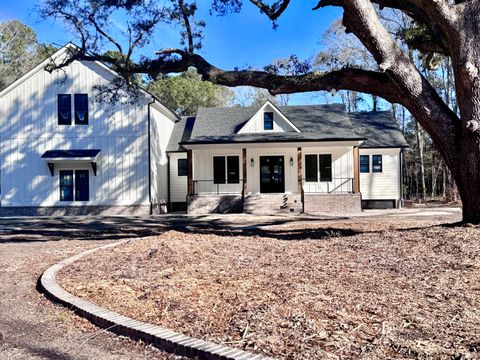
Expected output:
{"points": [[209, 187], [332, 186]]}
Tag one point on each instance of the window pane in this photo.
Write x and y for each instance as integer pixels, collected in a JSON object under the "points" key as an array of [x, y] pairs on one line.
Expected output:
{"points": [[66, 185], [268, 121], [64, 103], [325, 167], [219, 169], [81, 185], [182, 167], [311, 168], [364, 164], [376, 163], [81, 109], [233, 169]]}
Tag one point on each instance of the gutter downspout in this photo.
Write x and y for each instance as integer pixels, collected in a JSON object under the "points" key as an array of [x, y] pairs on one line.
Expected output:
{"points": [[150, 158]]}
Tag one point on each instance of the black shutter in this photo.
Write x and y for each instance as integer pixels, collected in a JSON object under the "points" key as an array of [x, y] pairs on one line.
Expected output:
{"points": [[81, 109], [233, 169], [311, 168], [219, 169], [66, 185], [81, 185], [64, 109], [325, 167]]}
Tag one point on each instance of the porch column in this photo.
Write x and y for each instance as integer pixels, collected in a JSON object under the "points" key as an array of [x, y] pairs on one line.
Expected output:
{"points": [[244, 171], [356, 170], [299, 169], [190, 172]]}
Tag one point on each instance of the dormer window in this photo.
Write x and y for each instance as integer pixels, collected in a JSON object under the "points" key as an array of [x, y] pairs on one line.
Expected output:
{"points": [[81, 109], [268, 121]]}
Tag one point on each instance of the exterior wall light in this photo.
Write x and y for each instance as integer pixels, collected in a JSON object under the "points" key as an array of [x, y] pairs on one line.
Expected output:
{"points": [[252, 162], [291, 161]]}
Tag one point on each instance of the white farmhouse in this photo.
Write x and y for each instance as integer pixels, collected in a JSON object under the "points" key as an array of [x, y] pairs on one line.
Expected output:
{"points": [[63, 153]]}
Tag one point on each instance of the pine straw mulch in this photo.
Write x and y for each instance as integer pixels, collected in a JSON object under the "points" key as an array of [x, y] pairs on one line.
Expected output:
{"points": [[366, 289]]}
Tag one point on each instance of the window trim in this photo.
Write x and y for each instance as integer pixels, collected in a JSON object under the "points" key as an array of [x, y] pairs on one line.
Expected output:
{"points": [[75, 97], [380, 164], [178, 166], [60, 186], [226, 179], [360, 164], [60, 120], [270, 120], [319, 172]]}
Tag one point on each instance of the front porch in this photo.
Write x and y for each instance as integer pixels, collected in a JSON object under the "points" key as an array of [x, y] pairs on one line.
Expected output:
{"points": [[274, 178]]}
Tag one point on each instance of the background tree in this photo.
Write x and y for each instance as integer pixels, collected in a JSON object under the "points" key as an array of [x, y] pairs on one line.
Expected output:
{"points": [[19, 51], [186, 92], [448, 27]]}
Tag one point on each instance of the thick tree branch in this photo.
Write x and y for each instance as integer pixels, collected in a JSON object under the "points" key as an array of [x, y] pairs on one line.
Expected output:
{"points": [[272, 11]]}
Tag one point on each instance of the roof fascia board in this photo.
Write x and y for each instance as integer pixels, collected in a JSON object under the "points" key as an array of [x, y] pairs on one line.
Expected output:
{"points": [[277, 144]]}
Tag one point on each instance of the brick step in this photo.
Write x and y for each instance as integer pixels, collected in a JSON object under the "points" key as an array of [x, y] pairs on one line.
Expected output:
{"points": [[273, 204]]}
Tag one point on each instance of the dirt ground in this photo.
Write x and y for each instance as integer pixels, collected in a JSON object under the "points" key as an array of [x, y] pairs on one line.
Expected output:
{"points": [[392, 287]]}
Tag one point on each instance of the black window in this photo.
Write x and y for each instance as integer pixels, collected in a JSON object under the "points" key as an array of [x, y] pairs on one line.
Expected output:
{"points": [[325, 167], [182, 167], [268, 121], [66, 185], [233, 169], [81, 109], [81, 185], [219, 169], [64, 104], [311, 168], [377, 163], [364, 163]]}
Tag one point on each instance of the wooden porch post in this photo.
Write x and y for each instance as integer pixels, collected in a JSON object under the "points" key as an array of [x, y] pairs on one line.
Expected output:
{"points": [[356, 170], [299, 169], [190, 172], [244, 171]]}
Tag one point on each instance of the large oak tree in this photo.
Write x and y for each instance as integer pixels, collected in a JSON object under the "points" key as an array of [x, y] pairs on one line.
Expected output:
{"points": [[449, 27]]}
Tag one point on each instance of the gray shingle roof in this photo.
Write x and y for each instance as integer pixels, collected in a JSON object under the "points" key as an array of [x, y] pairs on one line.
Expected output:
{"points": [[315, 122], [379, 128], [182, 130]]}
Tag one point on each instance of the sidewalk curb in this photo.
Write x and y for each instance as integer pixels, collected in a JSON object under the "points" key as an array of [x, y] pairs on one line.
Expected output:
{"points": [[159, 337]]}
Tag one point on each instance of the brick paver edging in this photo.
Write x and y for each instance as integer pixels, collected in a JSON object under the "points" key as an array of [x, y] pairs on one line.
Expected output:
{"points": [[158, 336]]}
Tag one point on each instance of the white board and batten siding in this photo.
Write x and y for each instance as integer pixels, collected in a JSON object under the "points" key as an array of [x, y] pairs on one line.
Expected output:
{"points": [[29, 127], [256, 125], [178, 184], [383, 185]]}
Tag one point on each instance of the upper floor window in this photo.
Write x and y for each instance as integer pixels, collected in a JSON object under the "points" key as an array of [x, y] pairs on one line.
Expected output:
{"points": [[268, 121], [81, 109], [364, 163], [377, 166], [64, 104]]}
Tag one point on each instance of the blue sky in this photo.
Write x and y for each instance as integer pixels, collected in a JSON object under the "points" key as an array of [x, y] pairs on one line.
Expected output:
{"points": [[237, 40]]}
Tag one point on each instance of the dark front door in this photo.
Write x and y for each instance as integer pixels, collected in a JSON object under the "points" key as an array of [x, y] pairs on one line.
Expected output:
{"points": [[272, 174]]}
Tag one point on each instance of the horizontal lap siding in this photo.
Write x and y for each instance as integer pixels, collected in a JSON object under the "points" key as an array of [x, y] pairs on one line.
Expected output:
{"points": [[29, 127], [178, 184], [384, 185]]}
